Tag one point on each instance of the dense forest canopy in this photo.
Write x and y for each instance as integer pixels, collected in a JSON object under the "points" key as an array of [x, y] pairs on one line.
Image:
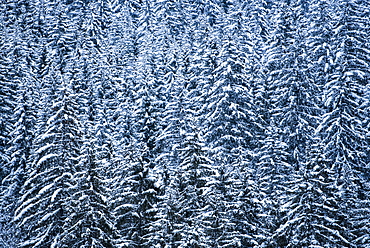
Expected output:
{"points": [[184, 123]]}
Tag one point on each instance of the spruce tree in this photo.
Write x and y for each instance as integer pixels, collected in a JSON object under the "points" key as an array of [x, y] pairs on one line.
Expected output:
{"points": [[135, 209], [293, 98], [22, 137], [43, 206], [195, 171], [228, 119], [42, 209], [90, 223], [314, 216], [274, 174], [18, 32], [342, 125]]}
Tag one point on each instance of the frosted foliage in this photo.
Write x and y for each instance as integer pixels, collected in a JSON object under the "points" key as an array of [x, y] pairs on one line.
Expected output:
{"points": [[202, 124]]}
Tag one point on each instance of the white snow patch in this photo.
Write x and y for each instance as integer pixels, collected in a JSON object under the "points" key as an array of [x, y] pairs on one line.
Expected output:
{"points": [[46, 188], [45, 158], [55, 195]]}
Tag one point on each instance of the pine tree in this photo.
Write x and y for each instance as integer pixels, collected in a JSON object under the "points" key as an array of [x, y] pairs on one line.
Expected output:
{"points": [[43, 207], [217, 123], [274, 174], [342, 125], [135, 209], [15, 21], [246, 206], [315, 215], [228, 119], [319, 36], [18, 31], [89, 223], [195, 170], [217, 219], [293, 100], [149, 90], [20, 152]]}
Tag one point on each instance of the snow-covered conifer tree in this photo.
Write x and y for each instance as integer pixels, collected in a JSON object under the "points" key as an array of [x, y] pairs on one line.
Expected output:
{"points": [[17, 86], [135, 205], [195, 171], [90, 222], [342, 130], [42, 209]]}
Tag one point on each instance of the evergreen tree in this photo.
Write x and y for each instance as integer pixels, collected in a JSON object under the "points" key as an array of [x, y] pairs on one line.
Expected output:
{"points": [[15, 22], [43, 208], [216, 123], [89, 223], [293, 98], [135, 207], [342, 125], [20, 152], [18, 32], [229, 116], [246, 207], [196, 170], [274, 175], [217, 218], [315, 214]]}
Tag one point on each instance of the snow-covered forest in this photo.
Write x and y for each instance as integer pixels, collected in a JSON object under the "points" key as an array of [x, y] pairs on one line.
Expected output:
{"points": [[184, 123]]}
